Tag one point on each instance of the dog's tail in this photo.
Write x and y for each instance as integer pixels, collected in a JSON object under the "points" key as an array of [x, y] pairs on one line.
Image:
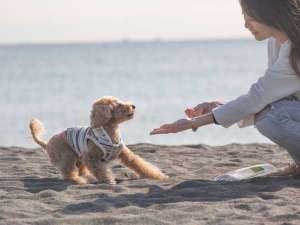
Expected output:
{"points": [[37, 129], [140, 166]]}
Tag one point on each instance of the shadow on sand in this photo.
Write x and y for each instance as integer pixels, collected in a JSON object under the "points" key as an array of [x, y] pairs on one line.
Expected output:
{"points": [[35, 185], [191, 191]]}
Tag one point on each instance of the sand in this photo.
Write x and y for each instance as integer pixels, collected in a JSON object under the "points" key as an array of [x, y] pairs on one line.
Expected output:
{"points": [[31, 191]]}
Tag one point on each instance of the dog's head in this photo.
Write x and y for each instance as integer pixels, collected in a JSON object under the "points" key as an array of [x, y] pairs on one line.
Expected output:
{"points": [[109, 109]]}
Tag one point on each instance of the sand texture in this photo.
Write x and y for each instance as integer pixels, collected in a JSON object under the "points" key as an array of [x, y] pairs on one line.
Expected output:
{"points": [[32, 192]]}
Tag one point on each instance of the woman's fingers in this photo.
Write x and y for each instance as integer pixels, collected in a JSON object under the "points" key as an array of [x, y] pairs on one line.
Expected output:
{"points": [[200, 109], [189, 112], [197, 110], [164, 129], [177, 126], [160, 131]]}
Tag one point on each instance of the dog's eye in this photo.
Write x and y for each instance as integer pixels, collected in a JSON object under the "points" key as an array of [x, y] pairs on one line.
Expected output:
{"points": [[118, 108]]}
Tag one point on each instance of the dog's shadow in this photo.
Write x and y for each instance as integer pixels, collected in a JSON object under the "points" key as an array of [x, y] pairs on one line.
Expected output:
{"points": [[36, 185], [188, 191]]}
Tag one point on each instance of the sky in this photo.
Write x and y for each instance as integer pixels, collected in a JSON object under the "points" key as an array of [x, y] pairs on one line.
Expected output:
{"points": [[40, 21]]}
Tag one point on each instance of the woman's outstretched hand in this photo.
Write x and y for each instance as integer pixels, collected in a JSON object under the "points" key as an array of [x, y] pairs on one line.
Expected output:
{"points": [[175, 127], [202, 114]]}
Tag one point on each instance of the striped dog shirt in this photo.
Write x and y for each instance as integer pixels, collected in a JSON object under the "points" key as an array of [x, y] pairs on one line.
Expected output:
{"points": [[78, 138]]}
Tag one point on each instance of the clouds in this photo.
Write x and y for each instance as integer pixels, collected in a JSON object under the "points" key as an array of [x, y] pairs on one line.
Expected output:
{"points": [[96, 20]]}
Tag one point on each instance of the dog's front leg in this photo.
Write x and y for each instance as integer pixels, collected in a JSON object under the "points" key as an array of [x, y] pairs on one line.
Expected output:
{"points": [[104, 174], [141, 167], [101, 172], [100, 169]]}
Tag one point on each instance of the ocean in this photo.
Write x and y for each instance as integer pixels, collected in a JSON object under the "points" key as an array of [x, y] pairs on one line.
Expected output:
{"points": [[57, 83]]}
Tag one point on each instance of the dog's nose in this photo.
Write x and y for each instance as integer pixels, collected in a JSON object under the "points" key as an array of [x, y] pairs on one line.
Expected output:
{"points": [[133, 106]]}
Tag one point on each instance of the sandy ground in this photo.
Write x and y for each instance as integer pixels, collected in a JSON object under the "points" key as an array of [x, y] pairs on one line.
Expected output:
{"points": [[31, 191]]}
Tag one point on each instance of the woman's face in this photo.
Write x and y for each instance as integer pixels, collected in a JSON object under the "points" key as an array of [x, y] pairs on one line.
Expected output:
{"points": [[259, 30]]}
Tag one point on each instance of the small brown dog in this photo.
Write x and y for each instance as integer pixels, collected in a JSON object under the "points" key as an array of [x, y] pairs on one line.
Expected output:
{"points": [[83, 154]]}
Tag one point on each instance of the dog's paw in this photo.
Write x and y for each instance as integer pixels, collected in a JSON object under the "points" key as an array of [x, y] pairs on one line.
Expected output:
{"points": [[132, 175], [80, 180], [110, 181], [91, 179], [119, 180], [164, 177]]}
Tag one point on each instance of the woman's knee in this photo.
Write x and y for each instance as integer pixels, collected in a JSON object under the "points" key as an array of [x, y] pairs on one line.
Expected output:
{"points": [[266, 127], [272, 124]]}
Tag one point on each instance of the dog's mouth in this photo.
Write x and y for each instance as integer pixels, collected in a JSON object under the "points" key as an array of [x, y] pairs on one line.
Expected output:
{"points": [[130, 115]]}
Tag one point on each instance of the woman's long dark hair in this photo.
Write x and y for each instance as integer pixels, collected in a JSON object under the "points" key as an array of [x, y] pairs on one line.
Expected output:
{"points": [[283, 15]]}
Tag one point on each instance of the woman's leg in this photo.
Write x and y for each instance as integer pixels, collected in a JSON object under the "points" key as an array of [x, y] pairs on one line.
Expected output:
{"points": [[282, 126]]}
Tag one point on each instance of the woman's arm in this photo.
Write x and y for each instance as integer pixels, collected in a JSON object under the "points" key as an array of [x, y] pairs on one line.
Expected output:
{"points": [[184, 124], [279, 81], [202, 120]]}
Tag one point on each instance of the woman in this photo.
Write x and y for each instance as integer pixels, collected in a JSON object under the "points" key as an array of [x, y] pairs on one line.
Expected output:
{"points": [[273, 102]]}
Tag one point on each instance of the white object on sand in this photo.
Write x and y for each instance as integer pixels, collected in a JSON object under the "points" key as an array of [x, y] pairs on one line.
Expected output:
{"points": [[259, 170]]}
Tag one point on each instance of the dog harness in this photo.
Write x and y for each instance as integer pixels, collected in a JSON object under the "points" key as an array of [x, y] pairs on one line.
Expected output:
{"points": [[78, 137]]}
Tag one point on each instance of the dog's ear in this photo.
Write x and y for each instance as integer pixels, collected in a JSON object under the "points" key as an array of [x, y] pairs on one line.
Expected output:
{"points": [[100, 115]]}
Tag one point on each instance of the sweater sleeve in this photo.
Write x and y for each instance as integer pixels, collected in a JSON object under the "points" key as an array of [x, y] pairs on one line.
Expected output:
{"points": [[273, 51], [279, 81]]}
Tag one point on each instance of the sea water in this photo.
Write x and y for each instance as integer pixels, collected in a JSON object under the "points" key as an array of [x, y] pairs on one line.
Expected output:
{"points": [[57, 83]]}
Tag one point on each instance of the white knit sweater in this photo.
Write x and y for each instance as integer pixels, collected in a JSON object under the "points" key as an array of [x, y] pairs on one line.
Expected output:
{"points": [[279, 81]]}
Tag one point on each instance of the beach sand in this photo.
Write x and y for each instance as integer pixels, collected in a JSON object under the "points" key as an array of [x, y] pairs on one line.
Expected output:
{"points": [[32, 192]]}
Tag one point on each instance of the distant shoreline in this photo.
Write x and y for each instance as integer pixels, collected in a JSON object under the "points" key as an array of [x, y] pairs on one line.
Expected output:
{"points": [[124, 41], [162, 145]]}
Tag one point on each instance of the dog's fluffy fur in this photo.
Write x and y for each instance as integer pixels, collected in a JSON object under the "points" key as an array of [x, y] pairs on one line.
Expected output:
{"points": [[108, 112]]}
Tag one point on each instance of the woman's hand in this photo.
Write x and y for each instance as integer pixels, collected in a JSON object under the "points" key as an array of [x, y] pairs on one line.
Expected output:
{"points": [[201, 109], [177, 126]]}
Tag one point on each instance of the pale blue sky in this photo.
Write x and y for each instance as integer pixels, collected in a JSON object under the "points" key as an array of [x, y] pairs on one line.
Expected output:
{"points": [[99, 20]]}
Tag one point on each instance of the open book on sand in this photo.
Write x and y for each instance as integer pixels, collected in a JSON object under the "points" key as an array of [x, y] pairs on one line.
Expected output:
{"points": [[259, 170]]}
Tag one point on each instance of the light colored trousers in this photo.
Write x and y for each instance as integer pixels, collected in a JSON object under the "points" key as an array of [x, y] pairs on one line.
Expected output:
{"points": [[282, 125]]}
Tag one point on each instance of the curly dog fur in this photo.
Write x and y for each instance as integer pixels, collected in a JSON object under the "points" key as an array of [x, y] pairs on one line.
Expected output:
{"points": [[107, 112]]}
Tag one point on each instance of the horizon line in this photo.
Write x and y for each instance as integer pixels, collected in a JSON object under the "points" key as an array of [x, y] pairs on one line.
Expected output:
{"points": [[124, 40]]}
